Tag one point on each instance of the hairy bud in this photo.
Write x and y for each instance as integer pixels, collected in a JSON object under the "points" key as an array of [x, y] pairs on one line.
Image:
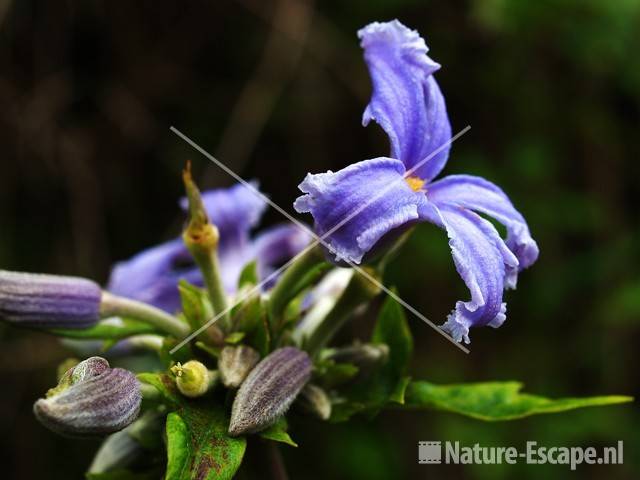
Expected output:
{"points": [[315, 400], [91, 399], [269, 390], [193, 379], [38, 300], [235, 363]]}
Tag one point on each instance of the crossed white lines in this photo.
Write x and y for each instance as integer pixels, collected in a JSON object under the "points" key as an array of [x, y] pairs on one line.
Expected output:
{"points": [[317, 239]]}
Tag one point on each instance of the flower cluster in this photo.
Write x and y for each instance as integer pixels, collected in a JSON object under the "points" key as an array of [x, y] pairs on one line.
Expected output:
{"points": [[236, 348]]}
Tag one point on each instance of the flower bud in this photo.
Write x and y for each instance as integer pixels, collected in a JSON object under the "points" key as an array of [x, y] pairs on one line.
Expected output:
{"points": [[193, 379], [38, 300], [235, 363], [269, 390], [91, 399], [315, 400], [361, 355]]}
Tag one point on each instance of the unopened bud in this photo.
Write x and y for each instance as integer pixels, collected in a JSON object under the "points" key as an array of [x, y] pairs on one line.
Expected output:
{"points": [[52, 301], [193, 379], [91, 399], [269, 390], [361, 355], [235, 363], [315, 400]]}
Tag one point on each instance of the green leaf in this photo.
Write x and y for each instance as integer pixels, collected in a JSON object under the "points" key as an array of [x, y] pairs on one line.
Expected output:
{"points": [[198, 445], [389, 381], [393, 330], [196, 306], [177, 446], [248, 275], [495, 401], [278, 433], [213, 352], [164, 383], [234, 338], [114, 328], [331, 374]]}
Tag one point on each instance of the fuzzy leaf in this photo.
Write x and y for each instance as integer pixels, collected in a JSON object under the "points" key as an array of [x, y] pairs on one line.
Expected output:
{"points": [[495, 401], [109, 329], [198, 445]]}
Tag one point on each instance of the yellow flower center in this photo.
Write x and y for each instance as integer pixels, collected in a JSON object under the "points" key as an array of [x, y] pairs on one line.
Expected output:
{"points": [[415, 183]]}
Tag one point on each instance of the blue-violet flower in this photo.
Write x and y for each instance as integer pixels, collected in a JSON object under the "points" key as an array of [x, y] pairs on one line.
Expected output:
{"points": [[408, 104], [152, 275]]}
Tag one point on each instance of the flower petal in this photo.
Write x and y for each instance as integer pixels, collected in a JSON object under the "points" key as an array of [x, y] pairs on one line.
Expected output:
{"points": [[479, 262], [367, 200], [152, 275], [483, 196], [276, 245], [406, 100]]}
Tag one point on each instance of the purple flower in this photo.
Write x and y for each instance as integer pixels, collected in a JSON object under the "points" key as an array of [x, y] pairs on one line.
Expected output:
{"points": [[152, 275], [407, 103]]}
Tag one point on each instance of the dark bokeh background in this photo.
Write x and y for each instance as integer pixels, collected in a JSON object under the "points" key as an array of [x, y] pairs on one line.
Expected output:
{"points": [[90, 174]]}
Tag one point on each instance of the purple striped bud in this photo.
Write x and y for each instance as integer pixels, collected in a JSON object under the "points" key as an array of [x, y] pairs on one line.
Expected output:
{"points": [[235, 363], [91, 399], [38, 300], [269, 390]]}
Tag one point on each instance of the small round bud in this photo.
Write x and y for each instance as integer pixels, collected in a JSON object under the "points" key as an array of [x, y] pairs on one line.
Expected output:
{"points": [[51, 301], [91, 399], [193, 379], [269, 390], [235, 363]]}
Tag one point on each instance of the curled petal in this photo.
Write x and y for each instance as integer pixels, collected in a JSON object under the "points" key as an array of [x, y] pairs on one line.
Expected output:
{"points": [[358, 205], [483, 196], [92, 399], [406, 100], [480, 263], [52, 301]]}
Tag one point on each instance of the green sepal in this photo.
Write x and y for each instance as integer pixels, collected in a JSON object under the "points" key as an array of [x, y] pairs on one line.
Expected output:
{"points": [[278, 433]]}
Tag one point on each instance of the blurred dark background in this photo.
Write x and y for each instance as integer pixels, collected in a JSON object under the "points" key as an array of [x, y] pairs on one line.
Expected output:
{"points": [[90, 175]]}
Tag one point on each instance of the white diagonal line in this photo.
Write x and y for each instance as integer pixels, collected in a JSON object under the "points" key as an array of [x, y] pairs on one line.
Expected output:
{"points": [[319, 240]]}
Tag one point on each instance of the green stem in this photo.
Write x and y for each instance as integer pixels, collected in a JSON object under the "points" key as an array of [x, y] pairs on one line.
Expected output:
{"points": [[300, 274], [146, 341], [359, 291], [207, 261], [115, 306]]}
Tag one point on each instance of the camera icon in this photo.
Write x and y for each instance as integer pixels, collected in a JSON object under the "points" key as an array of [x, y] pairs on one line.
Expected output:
{"points": [[429, 452]]}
